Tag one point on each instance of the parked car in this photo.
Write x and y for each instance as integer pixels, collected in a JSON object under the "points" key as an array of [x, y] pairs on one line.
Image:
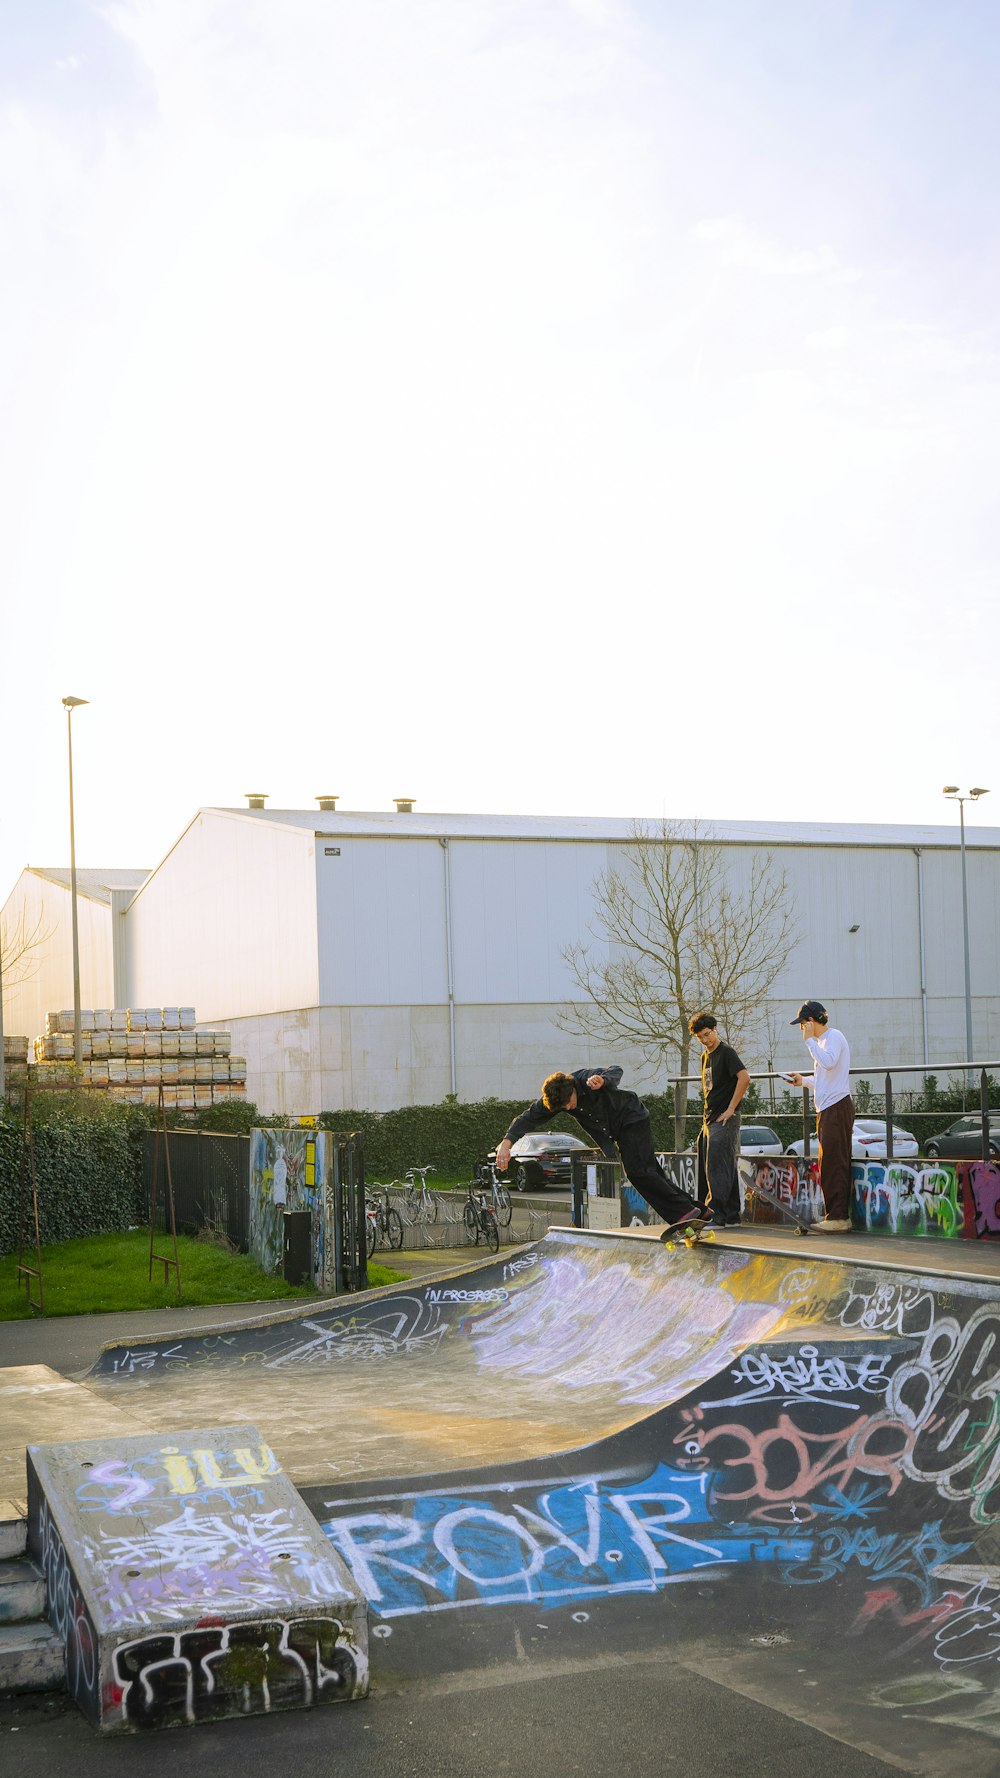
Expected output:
{"points": [[758, 1139], [542, 1159], [868, 1142], [963, 1140]]}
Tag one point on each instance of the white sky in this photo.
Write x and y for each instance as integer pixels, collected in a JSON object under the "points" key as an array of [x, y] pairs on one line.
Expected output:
{"points": [[529, 405]]}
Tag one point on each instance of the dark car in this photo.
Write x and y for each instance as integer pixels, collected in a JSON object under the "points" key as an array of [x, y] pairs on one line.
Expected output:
{"points": [[542, 1159], [963, 1140]]}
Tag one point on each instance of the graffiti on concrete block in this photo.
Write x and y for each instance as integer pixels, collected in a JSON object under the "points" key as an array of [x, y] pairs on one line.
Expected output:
{"points": [[555, 1545], [219, 1670], [922, 1198], [67, 1612], [944, 1199], [982, 1191]]}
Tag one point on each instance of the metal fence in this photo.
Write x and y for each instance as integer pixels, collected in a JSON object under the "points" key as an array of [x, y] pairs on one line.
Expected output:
{"points": [[980, 1072], [211, 1181]]}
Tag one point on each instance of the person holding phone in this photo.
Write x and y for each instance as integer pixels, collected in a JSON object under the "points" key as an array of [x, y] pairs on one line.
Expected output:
{"points": [[831, 1084]]}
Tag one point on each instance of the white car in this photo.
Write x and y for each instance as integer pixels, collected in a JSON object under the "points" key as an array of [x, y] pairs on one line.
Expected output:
{"points": [[868, 1142], [758, 1139]]}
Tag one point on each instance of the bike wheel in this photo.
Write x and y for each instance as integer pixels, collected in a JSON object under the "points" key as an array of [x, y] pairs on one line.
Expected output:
{"points": [[471, 1217], [491, 1230], [394, 1228], [431, 1206], [371, 1234], [411, 1204], [505, 1208]]}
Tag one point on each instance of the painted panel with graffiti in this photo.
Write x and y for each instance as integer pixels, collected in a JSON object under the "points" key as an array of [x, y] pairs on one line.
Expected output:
{"points": [[289, 1171]]}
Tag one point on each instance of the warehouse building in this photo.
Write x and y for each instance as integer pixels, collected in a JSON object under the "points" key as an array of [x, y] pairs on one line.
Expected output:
{"points": [[37, 925], [382, 959]]}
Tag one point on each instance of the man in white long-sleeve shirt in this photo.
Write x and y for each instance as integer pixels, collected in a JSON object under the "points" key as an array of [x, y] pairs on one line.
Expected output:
{"points": [[831, 1082]]}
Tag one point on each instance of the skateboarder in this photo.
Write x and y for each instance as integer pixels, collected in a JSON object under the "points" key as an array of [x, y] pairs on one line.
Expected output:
{"points": [[724, 1080], [831, 1085], [611, 1118]]}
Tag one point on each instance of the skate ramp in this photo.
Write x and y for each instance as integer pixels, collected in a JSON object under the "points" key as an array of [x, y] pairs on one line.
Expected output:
{"points": [[781, 1471], [814, 1522], [542, 1352]]}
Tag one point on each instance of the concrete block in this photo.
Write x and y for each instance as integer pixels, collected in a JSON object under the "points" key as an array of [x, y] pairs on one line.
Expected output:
{"points": [[13, 1528], [22, 1592], [188, 1582], [31, 1659]]}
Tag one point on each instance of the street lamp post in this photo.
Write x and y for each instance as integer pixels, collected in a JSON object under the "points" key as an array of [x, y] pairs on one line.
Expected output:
{"points": [[952, 791], [69, 705]]}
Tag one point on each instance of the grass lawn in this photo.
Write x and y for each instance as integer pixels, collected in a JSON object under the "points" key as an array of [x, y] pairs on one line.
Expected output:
{"points": [[107, 1272]]}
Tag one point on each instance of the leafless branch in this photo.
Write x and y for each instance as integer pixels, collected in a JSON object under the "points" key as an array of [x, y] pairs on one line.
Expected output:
{"points": [[675, 930]]}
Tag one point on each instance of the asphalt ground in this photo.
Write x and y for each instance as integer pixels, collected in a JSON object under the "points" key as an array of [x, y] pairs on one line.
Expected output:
{"points": [[649, 1715]]}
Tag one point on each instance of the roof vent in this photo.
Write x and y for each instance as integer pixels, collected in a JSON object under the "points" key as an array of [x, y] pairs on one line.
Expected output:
{"points": [[404, 805], [255, 798], [327, 802]]}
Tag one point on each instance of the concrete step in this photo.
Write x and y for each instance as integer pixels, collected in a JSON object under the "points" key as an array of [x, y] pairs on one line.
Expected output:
{"points": [[13, 1528], [31, 1659], [22, 1591]]}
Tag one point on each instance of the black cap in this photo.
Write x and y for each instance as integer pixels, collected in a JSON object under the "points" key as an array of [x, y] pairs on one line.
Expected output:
{"points": [[810, 1009]]}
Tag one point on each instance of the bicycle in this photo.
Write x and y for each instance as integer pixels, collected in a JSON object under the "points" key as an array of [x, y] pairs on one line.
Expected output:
{"points": [[500, 1198], [419, 1202], [480, 1217], [383, 1222]]}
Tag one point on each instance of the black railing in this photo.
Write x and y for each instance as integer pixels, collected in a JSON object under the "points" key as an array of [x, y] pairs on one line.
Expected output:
{"points": [[681, 1103], [211, 1183], [347, 1165]]}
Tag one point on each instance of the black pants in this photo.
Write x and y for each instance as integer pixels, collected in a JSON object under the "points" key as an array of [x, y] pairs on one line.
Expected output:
{"points": [[718, 1169], [643, 1170], [835, 1127]]}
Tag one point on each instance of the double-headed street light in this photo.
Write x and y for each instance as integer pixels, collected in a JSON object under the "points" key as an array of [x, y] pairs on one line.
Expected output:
{"points": [[971, 796], [69, 705]]}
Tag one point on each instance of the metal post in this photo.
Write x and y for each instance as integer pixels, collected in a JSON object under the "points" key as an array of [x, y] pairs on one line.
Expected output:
{"points": [[806, 1132], [923, 954], [3, 1082], [450, 958], [888, 1117], [680, 1116], [984, 1107], [965, 933], [71, 704]]}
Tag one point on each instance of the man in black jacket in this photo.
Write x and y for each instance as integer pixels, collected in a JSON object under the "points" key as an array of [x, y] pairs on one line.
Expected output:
{"points": [[611, 1118]]}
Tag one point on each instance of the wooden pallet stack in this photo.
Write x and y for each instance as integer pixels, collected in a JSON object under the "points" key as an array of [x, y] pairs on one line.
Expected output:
{"points": [[133, 1052], [15, 1062]]}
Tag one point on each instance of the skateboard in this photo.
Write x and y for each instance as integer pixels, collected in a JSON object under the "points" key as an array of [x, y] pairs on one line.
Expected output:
{"points": [[797, 1222], [688, 1232]]}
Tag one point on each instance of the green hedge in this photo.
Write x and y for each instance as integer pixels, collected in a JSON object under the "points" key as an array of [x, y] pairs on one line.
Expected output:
{"points": [[450, 1136], [88, 1171]]}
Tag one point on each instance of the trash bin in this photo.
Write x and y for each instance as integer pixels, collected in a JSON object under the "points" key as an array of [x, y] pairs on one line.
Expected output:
{"points": [[296, 1247]]}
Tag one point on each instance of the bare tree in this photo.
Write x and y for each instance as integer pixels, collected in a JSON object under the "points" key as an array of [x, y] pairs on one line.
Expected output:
{"points": [[674, 932], [21, 945]]}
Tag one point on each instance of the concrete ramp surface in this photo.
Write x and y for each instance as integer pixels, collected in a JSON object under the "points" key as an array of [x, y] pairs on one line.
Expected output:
{"points": [[520, 1358]]}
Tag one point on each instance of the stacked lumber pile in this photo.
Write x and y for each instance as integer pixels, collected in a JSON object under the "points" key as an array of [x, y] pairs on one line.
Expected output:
{"points": [[15, 1061], [133, 1052]]}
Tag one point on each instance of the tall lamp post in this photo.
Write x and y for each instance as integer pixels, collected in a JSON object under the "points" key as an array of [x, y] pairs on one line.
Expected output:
{"points": [[69, 705], [972, 796]]}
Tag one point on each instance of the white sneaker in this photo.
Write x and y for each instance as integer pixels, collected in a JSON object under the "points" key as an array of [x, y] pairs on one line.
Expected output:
{"points": [[832, 1225]]}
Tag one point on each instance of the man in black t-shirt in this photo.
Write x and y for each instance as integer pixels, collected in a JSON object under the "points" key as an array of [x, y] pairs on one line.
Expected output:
{"points": [[724, 1080]]}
